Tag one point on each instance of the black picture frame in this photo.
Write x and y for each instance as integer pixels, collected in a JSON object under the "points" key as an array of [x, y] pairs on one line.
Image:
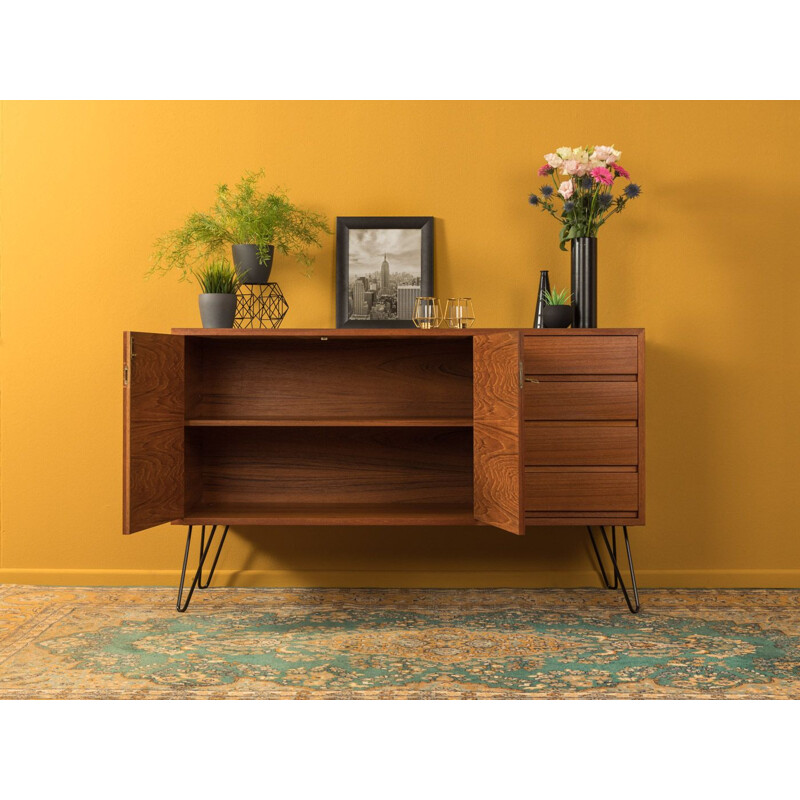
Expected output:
{"points": [[343, 227]]}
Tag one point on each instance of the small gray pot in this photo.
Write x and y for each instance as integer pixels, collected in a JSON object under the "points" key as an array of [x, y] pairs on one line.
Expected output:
{"points": [[246, 259], [217, 310]]}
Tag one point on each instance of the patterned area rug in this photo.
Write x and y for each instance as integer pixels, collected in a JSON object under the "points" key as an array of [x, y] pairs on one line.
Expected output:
{"points": [[397, 644]]}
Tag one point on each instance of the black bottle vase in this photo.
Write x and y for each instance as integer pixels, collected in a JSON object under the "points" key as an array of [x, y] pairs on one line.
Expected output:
{"points": [[544, 285], [583, 274]]}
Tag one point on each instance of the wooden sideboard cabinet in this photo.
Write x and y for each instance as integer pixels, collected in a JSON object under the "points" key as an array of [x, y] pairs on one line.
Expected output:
{"points": [[504, 427]]}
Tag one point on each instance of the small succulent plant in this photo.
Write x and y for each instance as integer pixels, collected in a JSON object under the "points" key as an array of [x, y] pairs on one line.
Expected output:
{"points": [[557, 297]]}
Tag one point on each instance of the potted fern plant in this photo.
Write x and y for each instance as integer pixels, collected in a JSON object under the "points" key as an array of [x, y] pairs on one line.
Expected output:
{"points": [[557, 311], [253, 223], [219, 281]]}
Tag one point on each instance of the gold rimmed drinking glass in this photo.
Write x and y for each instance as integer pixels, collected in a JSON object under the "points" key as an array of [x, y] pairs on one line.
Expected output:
{"points": [[458, 312], [427, 312]]}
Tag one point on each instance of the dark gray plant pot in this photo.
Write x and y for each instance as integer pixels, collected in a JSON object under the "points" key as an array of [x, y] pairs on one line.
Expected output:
{"points": [[248, 263], [557, 316], [217, 310]]}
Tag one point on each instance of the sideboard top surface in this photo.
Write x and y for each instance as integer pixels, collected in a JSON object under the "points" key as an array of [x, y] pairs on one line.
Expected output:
{"points": [[366, 333]]}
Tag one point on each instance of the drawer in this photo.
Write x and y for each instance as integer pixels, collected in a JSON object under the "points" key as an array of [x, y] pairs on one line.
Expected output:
{"points": [[580, 355], [581, 400], [562, 490], [581, 445]]}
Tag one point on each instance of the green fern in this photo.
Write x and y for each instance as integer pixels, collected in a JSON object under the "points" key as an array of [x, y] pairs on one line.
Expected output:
{"points": [[557, 297], [240, 216], [217, 277]]}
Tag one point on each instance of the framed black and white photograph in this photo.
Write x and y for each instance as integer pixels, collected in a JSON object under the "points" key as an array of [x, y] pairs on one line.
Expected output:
{"points": [[383, 264]]}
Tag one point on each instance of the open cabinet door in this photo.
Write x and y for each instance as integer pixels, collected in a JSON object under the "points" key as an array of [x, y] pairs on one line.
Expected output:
{"points": [[497, 419], [153, 413]]}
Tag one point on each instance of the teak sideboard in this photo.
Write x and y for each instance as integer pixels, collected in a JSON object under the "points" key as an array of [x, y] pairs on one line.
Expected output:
{"points": [[499, 427]]}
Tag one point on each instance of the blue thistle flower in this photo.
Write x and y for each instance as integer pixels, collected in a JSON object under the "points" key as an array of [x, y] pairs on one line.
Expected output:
{"points": [[632, 190], [585, 183], [534, 199], [604, 200], [546, 191], [569, 207]]}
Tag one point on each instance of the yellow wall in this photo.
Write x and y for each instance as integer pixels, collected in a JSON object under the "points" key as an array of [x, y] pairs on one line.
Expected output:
{"points": [[706, 261]]}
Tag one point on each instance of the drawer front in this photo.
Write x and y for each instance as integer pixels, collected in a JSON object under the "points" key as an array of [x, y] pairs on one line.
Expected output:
{"points": [[581, 445], [581, 400], [581, 491], [581, 355]]}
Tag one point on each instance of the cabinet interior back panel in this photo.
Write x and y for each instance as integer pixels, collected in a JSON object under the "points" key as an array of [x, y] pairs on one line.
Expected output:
{"points": [[316, 466], [337, 378]]}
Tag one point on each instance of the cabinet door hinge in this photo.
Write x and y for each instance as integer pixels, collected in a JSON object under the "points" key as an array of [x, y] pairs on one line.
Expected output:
{"points": [[127, 369]]}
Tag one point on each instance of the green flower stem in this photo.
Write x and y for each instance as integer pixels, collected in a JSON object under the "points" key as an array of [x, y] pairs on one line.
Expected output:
{"points": [[613, 211], [549, 209]]}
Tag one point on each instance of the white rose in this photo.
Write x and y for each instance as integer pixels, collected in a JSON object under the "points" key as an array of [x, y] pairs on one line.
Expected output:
{"points": [[564, 152], [580, 154], [554, 160], [605, 155]]}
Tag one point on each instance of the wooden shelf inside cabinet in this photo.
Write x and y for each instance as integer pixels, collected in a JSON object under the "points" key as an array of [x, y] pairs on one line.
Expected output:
{"points": [[375, 422], [327, 514]]}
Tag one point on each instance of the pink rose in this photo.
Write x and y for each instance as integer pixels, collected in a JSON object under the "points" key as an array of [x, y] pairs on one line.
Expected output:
{"points": [[570, 167], [566, 189], [602, 175]]}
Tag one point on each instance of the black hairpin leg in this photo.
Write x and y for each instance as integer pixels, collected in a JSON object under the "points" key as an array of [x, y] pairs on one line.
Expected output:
{"points": [[612, 552], [197, 581]]}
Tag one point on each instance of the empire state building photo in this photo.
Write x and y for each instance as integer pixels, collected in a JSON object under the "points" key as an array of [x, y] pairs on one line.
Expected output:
{"points": [[385, 272]]}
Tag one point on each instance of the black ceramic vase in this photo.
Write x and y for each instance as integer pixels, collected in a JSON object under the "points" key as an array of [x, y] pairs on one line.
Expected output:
{"points": [[557, 316], [583, 274], [247, 259], [544, 285]]}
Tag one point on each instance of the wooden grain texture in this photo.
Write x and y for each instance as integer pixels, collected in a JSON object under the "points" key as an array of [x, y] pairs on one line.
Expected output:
{"points": [[562, 490], [574, 518], [348, 378], [153, 414], [311, 466], [566, 444], [395, 446], [641, 410], [320, 513], [334, 422], [580, 378], [497, 428], [590, 355], [388, 333], [578, 400]]}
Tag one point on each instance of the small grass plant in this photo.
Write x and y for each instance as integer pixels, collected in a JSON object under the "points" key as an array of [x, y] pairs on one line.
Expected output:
{"points": [[217, 277]]}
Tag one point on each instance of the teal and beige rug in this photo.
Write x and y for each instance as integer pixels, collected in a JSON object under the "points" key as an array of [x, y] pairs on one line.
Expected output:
{"points": [[376, 643]]}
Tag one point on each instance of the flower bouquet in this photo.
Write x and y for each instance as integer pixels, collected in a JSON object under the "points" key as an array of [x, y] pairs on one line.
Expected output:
{"points": [[586, 196]]}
